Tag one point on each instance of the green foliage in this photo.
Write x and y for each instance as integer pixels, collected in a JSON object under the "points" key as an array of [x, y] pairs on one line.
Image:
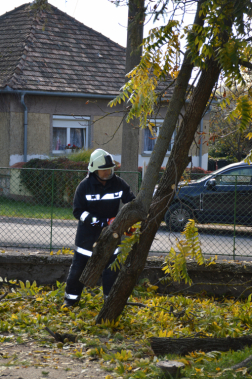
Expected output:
{"points": [[27, 289], [40, 5], [126, 246], [47, 182], [231, 124], [219, 40], [222, 37], [242, 112], [155, 65], [175, 262], [81, 156], [248, 158]]}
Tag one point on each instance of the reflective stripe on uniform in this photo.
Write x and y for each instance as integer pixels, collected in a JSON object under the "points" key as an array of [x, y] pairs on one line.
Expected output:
{"points": [[108, 196], [71, 297], [84, 251], [84, 216], [89, 253], [112, 196], [93, 197]]}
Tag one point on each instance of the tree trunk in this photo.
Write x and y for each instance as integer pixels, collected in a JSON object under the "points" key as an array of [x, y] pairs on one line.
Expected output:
{"points": [[138, 209], [130, 131], [183, 346], [176, 164]]}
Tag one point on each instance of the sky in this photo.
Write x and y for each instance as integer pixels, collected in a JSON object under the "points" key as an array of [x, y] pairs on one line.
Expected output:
{"points": [[100, 15]]}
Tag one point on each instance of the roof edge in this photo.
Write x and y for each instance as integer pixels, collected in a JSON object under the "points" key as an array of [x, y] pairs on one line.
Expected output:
{"points": [[9, 90]]}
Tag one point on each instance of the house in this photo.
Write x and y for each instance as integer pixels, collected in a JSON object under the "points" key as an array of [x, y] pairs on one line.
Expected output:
{"points": [[56, 79]]}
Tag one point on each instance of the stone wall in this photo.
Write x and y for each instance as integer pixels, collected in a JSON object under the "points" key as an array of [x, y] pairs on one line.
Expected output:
{"points": [[222, 278]]}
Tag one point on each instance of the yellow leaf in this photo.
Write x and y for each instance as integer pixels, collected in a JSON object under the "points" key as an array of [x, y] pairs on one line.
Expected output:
{"points": [[198, 369], [218, 369], [170, 333], [39, 298], [183, 360]]}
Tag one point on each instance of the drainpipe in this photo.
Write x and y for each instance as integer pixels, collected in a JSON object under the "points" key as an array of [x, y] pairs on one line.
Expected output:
{"points": [[201, 142], [25, 125], [201, 137]]}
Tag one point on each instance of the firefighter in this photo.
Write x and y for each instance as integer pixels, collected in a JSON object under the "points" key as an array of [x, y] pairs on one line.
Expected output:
{"points": [[96, 201]]}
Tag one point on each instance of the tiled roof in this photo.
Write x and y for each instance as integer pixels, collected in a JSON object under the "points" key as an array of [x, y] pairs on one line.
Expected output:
{"points": [[52, 51]]}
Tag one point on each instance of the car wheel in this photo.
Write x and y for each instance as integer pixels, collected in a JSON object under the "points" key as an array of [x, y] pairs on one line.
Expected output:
{"points": [[177, 217]]}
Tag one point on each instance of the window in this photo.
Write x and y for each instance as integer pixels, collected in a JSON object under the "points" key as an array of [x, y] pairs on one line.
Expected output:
{"points": [[237, 176], [149, 140], [69, 130]]}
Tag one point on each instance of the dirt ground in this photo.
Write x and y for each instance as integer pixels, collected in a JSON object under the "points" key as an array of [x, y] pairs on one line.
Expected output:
{"points": [[30, 361]]}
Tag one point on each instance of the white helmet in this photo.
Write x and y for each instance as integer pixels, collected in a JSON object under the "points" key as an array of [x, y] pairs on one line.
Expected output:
{"points": [[101, 160]]}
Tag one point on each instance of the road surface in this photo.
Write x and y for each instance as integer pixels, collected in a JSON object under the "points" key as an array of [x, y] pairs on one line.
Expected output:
{"points": [[41, 234]]}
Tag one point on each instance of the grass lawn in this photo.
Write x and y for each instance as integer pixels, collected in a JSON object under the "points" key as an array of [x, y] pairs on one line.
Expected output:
{"points": [[14, 208]]}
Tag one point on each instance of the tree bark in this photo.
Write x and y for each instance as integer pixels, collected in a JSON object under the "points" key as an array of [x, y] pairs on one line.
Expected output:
{"points": [[246, 363], [183, 346], [130, 131]]}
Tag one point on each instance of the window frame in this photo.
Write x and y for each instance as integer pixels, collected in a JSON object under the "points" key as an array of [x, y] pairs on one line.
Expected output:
{"points": [[74, 122], [160, 122], [229, 174]]}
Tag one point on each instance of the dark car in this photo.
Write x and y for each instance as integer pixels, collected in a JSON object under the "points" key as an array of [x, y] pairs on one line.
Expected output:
{"points": [[224, 196]]}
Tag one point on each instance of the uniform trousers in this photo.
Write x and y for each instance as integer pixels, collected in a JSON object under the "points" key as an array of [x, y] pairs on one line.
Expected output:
{"points": [[75, 287]]}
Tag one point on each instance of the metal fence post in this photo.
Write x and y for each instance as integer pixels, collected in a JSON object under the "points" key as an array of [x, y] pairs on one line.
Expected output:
{"points": [[52, 210], [234, 248], [139, 180]]}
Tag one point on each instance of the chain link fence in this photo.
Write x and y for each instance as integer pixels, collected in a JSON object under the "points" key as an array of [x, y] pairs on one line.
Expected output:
{"points": [[36, 211]]}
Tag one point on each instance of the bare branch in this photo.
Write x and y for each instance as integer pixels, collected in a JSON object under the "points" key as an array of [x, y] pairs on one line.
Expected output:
{"points": [[245, 64], [4, 295]]}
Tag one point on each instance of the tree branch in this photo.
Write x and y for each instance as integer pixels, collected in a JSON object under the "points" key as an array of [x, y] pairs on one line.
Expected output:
{"points": [[245, 64]]}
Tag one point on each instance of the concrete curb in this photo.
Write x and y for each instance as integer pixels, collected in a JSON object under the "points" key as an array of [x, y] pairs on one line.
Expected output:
{"points": [[222, 278]]}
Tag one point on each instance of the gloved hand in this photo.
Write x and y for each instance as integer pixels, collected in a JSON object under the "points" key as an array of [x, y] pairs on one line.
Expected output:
{"points": [[89, 219], [103, 222], [110, 220], [130, 231]]}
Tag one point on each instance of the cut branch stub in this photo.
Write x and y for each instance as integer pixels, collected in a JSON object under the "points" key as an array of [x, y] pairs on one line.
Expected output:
{"points": [[106, 243], [171, 369]]}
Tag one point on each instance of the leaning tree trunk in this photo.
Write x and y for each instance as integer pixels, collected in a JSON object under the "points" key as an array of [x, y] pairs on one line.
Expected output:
{"points": [[176, 164], [183, 346], [138, 209]]}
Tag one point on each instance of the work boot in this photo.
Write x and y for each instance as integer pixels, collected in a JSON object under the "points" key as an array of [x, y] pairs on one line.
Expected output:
{"points": [[70, 303]]}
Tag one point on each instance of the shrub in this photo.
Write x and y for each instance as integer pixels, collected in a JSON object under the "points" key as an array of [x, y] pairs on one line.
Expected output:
{"points": [[195, 173], [80, 156], [47, 182]]}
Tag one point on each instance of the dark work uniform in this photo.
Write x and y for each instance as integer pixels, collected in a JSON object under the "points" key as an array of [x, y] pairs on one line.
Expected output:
{"points": [[101, 202]]}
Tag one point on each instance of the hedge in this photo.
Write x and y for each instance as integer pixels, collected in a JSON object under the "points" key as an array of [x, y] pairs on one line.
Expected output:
{"points": [[39, 182]]}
